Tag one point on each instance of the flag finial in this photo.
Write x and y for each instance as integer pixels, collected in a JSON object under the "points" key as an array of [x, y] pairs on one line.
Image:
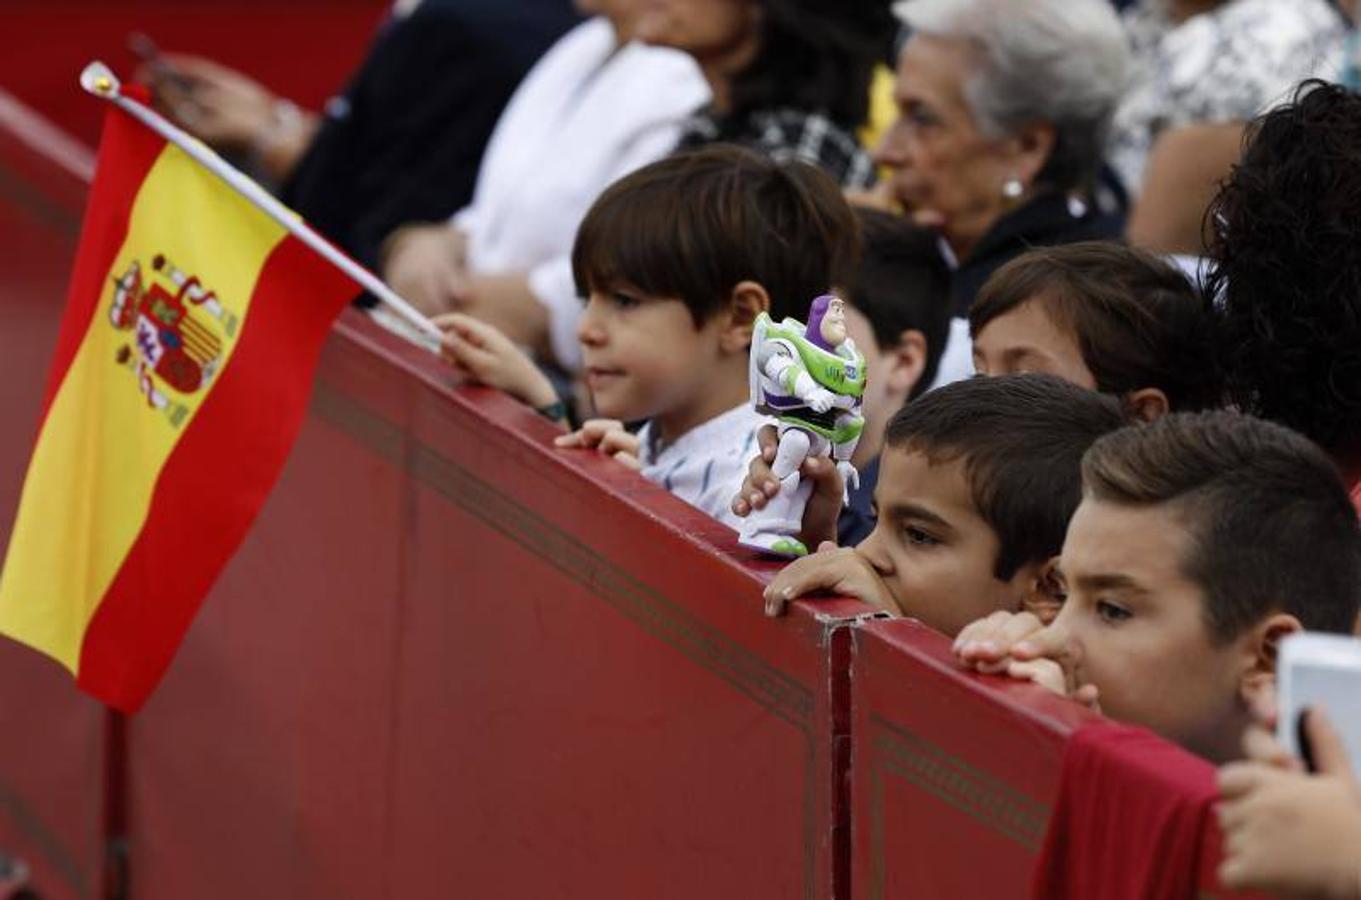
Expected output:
{"points": [[99, 79]]}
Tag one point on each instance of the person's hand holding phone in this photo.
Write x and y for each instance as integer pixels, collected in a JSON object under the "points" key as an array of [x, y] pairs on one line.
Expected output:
{"points": [[226, 109], [222, 107], [1288, 830]]}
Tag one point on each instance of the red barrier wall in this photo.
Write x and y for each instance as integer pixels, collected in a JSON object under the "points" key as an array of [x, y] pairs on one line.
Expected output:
{"points": [[452, 660], [952, 775]]}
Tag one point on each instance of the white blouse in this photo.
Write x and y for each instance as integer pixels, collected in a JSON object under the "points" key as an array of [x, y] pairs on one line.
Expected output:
{"points": [[588, 113]]}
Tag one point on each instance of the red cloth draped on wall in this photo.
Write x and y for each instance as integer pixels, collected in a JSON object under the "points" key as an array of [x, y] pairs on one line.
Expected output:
{"points": [[1128, 821]]}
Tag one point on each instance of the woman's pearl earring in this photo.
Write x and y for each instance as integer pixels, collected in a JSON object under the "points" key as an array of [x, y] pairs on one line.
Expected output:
{"points": [[1012, 189]]}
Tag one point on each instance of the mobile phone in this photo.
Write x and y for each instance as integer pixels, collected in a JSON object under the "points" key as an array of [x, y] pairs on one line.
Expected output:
{"points": [[1319, 670], [162, 70]]}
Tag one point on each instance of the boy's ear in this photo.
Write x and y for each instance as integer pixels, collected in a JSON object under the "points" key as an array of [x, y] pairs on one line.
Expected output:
{"points": [[748, 301], [1046, 594], [1147, 404], [1267, 636], [908, 362], [1263, 650]]}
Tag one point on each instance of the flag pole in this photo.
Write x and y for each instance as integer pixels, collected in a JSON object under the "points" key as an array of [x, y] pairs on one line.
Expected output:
{"points": [[100, 81]]}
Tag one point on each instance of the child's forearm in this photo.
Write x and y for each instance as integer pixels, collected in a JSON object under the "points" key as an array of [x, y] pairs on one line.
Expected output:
{"points": [[484, 354]]}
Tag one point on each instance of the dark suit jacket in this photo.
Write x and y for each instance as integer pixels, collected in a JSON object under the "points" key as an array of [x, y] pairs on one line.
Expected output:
{"points": [[404, 142]]}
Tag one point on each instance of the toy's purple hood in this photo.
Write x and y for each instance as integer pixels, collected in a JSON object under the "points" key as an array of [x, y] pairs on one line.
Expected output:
{"points": [[815, 313]]}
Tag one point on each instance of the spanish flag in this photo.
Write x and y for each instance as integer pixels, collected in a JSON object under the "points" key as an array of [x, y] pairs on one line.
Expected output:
{"points": [[180, 380]]}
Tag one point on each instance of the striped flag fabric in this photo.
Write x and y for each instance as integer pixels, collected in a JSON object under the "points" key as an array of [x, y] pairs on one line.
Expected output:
{"points": [[180, 379]]}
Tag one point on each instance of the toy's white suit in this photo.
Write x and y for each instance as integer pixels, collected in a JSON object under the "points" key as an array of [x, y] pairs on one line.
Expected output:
{"points": [[813, 388]]}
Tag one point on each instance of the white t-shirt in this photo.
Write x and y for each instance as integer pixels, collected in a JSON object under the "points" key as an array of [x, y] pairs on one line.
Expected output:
{"points": [[706, 465], [588, 113]]}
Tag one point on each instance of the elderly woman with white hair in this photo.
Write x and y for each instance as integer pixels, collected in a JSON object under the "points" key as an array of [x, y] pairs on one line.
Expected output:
{"points": [[1004, 109]]}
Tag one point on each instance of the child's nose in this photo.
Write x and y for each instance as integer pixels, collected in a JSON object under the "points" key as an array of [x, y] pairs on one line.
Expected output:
{"points": [[871, 548], [589, 330]]}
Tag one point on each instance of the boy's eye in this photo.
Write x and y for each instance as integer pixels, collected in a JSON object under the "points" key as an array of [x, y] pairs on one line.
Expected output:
{"points": [[917, 537], [624, 301], [1112, 612]]}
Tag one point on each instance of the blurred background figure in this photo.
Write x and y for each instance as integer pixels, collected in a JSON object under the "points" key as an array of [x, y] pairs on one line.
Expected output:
{"points": [[790, 78], [1215, 61], [598, 106], [1202, 69], [1003, 111], [1004, 108], [402, 142]]}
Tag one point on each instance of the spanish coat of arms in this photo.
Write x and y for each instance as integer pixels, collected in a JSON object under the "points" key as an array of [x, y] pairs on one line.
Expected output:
{"points": [[178, 329]]}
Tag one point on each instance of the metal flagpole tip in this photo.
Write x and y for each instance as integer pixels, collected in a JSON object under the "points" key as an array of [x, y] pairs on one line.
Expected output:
{"points": [[99, 80]]}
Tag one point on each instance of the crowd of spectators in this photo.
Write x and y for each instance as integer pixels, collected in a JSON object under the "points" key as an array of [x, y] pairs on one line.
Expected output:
{"points": [[1137, 225]]}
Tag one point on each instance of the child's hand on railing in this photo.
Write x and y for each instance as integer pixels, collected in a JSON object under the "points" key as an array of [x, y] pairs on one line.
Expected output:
{"points": [[833, 570], [609, 436], [1020, 646]]}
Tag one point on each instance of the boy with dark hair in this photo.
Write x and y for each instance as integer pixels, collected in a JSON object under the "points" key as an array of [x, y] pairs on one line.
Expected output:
{"points": [[1105, 316], [1285, 279], [1201, 541], [699, 225], [677, 260], [977, 483]]}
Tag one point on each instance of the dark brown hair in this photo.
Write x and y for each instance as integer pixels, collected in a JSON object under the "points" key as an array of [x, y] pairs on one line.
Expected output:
{"points": [[901, 284], [1138, 321], [1272, 527], [1021, 438], [816, 56], [694, 225]]}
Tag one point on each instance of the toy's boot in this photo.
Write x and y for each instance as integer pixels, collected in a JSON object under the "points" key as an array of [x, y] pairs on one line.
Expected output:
{"points": [[775, 529]]}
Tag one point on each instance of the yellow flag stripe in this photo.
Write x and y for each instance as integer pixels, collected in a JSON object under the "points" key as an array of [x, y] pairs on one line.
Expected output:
{"points": [[105, 441]]}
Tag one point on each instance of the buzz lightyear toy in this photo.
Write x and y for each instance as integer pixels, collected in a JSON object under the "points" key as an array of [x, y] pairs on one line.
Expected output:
{"points": [[812, 380]]}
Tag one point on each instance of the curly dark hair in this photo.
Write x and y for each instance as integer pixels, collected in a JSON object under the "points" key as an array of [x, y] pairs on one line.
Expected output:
{"points": [[1285, 281]]}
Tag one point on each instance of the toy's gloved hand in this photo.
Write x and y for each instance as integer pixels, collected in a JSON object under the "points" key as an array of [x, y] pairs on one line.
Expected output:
{"points": [[821, 400], [849, 476]]}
